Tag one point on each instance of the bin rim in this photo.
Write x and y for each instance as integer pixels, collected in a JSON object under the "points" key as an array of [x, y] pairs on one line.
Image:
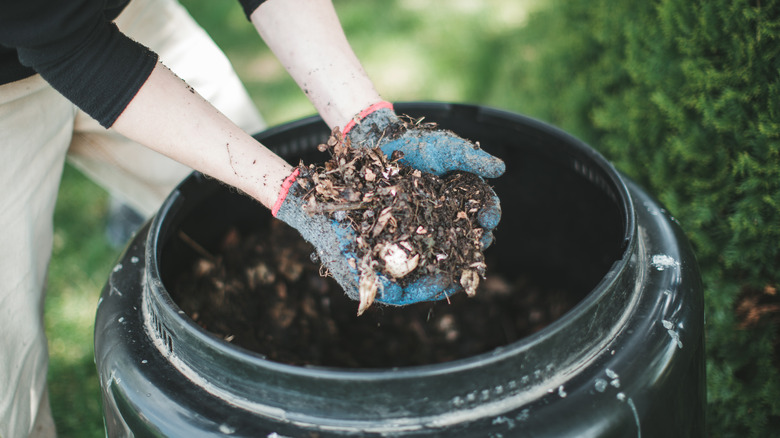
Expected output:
{"points": [[157, 298]]}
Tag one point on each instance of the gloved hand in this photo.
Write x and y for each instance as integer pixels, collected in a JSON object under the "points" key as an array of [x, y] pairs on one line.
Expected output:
{"points": [[435, 151], [333, 239]]}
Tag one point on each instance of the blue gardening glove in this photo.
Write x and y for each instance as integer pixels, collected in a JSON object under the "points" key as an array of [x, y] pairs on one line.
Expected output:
{"points": [[435, 151], [333, 240]]}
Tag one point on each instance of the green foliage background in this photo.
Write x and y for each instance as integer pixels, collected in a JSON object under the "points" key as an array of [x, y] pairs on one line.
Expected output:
{"points": [[683, 96]]}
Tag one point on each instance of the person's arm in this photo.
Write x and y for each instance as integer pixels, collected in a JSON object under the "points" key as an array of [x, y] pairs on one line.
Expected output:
{"points": [[167, 115], [119, 82], [75, 47], [307, 38]]}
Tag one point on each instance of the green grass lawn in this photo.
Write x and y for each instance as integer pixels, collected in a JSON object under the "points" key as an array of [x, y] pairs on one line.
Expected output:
{"points": [[81, 260], [414, 50]]}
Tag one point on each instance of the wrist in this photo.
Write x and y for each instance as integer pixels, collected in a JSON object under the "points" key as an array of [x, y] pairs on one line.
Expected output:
{"points": [[366, 113], [285, 190], [371, 125]]}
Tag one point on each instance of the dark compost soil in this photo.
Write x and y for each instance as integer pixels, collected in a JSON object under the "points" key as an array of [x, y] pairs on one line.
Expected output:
{"points": [[407, 223], [263, 292]]}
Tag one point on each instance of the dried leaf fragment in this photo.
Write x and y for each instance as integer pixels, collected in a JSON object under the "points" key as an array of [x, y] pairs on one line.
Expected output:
{"points": [[368, 284], [397, 262], [382, 220], [469, 280]]}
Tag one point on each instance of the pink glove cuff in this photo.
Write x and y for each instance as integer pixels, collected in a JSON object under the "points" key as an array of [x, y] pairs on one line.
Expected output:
{"points": [[363, 114], [288, 182]]}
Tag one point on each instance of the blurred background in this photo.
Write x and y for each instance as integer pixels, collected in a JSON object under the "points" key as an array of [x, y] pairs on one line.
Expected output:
{"points": [[683, 96]]}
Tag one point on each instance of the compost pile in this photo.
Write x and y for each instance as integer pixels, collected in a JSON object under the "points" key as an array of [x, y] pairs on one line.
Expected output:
{"points": [[407, 223], [259, 289]]}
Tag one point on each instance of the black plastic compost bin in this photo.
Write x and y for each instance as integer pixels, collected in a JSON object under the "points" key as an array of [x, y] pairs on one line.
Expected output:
{"points": [[626, 360]]}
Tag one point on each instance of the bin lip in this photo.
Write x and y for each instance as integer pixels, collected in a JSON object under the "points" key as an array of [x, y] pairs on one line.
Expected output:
{"points": [[155, 291]]}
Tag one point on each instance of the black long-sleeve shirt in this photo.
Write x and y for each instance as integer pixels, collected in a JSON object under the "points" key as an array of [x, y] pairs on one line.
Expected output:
{"points": [[75, 46]]}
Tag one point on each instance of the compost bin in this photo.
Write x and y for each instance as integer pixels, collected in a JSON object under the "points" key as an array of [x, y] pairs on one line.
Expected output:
{"points": [[623, 358]]}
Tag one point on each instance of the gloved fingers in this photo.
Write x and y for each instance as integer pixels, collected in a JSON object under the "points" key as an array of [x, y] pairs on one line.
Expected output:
{"points": [[366, 129], [471, 159], [341, 271], [332, 241], [391, 292], [440, 152], [429, 288], [490, 214], [417, 153], [486, 240]]}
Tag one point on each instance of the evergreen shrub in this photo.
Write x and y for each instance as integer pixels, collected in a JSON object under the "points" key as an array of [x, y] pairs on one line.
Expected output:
{"points": [[684, 97]]}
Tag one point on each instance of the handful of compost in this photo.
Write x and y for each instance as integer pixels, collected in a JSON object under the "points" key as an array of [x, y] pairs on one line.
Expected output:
{"points": [[400, 213], [407, 224]]}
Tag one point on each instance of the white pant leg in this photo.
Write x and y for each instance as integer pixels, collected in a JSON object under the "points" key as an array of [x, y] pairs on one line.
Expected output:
{"points": [[36, 124], [134, 174], [44, 427], [36, 129]]}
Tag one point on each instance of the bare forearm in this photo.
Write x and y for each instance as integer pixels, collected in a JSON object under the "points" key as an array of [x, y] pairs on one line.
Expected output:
{"points": [[308, 40], [170, 117]]}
